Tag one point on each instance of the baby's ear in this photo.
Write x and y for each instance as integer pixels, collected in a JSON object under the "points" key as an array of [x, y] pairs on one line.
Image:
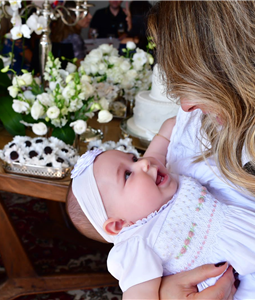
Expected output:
{"points": [[114, 225]]}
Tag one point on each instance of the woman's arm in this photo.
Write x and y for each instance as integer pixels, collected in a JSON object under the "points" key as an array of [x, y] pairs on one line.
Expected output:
{"points": [[146, 290], [159, 145], [184, 285]]}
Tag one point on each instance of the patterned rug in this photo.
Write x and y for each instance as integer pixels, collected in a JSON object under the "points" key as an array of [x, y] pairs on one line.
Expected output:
{"points": [[52, 254]]}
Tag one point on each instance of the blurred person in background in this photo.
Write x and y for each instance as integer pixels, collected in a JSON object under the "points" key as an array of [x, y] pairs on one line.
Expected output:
{"points": [[109, 21], [136, 17], [64, 34]]}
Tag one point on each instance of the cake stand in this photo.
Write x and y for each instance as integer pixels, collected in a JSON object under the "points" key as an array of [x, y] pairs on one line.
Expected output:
{"points": [[140, 138]]}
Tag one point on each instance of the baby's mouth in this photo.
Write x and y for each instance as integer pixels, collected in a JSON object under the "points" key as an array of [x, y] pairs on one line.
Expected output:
{"points": [[160, 178]]}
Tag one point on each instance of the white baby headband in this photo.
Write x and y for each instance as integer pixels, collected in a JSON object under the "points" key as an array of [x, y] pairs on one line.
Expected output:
{"points": [[86, 192]]}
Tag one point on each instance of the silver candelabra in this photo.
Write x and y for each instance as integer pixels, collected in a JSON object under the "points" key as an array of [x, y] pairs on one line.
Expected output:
{"points": [[50, 13]]}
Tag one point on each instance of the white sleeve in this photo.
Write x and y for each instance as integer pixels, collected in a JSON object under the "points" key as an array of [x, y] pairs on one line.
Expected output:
{"points": [[185, 146], [133, 262]]}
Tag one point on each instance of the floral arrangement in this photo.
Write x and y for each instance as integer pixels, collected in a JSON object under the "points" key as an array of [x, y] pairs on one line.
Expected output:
{"points": [[64, 106], [114, 75], [34, 23]]}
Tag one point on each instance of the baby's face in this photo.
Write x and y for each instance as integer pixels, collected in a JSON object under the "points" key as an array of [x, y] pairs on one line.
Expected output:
{"points": [[132, 188]]}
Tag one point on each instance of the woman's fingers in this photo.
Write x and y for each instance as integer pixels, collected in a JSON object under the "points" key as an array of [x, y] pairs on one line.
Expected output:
{"points": [[184, 285], [224, 288]]}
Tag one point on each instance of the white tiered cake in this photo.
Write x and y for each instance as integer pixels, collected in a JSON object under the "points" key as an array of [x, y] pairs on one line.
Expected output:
{"points": [[151, 109]]}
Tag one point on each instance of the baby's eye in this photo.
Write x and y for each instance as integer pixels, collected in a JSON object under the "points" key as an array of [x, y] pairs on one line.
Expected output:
{"points": [[127, 174], [134, 159]]}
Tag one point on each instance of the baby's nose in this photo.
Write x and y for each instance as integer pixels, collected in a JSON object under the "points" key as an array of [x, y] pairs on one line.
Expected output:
{"points": [[144, 164]]}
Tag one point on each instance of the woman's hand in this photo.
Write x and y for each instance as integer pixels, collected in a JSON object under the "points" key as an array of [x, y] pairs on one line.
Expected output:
{"points": [[184, 285]]}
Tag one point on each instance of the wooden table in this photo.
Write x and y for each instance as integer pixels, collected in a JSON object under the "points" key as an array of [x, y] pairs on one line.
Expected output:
{"points": [[22, 278]]}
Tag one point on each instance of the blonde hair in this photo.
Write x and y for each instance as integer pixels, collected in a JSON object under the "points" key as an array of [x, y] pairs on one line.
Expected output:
{"points": [[207, 51], [79, 219]]}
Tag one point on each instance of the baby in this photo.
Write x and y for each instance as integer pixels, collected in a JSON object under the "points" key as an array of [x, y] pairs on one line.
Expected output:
{"points": [[159, 224]]}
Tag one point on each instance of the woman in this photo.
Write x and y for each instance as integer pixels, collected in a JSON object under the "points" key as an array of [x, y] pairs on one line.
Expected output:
{"points": [[137, 24], [206, 49], [64, 34]]}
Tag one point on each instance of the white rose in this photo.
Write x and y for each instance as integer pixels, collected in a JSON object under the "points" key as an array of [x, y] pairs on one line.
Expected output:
{"points": [[85, 78], [88, 89], [37, 110], [45, 99], [53, 112], [39, 128], [104, 116], [37, 80], [131, 74], [27, 78], [139, 59], [93, 69], [69, 78], [106, 48], [114, 60], [29, 96], [102, 68], [13, 91], [20, 106], [70, 68], [79, 126], [131, 45], [125, 66], [94, 56], [68, 92], [104, 103]]}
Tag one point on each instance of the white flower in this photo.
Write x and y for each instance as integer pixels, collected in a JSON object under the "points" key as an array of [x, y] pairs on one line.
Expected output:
{"points": [[104, 103], [39, 128], [106, 48], [131, 74], [36, 23], [18, 31], [85, 78], [102, 67], [16, 20], [131, 45], [125, 66], [52, 85], [68, 92], [95, 56], [104, 116], [37, 80], [13, 91], [87, 89], [37, 110], [27, 78], [79, 126], [6, 60], [70, 68], [15, 4], [45, 99], [20, 106], [53, 112], [139, 59]]}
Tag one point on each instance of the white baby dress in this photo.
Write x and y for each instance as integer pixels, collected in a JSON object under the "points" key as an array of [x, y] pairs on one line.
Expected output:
{"points": [[190, 230]]}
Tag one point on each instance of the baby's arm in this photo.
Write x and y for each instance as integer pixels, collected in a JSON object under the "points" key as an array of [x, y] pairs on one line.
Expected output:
{"points": [[159, 144], [146, 290]]}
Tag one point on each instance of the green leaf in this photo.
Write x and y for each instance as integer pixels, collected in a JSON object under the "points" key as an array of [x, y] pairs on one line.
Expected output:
{"points": [[65, 134], [11, 119]]}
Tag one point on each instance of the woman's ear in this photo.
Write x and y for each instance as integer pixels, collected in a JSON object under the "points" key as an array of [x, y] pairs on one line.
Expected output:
{"points": [[114, 225]]}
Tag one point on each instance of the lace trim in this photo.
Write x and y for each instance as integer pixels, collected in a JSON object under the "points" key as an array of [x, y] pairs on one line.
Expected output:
{"points": [[150, 216]]}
